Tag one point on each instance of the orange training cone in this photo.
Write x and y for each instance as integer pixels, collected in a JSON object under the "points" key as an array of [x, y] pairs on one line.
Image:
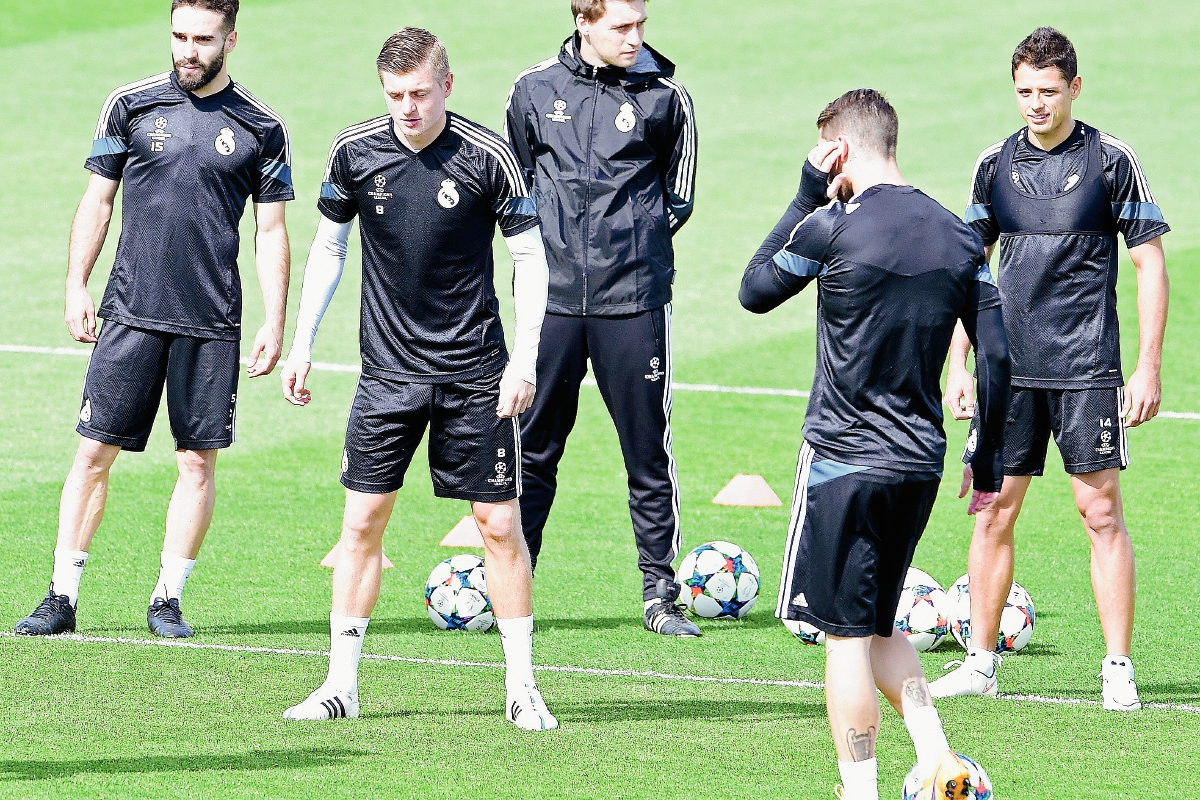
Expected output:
{"points": [[747, 490], [464, 534]]}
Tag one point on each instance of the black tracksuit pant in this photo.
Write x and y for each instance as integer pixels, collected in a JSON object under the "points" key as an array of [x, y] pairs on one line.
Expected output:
{"points": [[631, 359]]}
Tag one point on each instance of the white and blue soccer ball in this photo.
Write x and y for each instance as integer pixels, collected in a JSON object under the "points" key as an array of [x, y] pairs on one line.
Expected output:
{"points": [[1016, 621], [807, 634], [718, 580], [923, 613], [456, 595], [979, 784]]}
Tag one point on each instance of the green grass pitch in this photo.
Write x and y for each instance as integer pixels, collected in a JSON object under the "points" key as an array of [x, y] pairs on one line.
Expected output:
{"points": [[127, 720]]}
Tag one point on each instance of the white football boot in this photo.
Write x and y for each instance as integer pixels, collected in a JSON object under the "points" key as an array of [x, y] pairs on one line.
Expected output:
{"points": [[1120, 692], [978, 674], [526, 709], [325, 704]]}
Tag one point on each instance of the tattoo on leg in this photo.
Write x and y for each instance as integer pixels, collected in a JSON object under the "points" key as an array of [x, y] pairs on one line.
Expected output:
{"points": [[916, 690], [861, 745]]}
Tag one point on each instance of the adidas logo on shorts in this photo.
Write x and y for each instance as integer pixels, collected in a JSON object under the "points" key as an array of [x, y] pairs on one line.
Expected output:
{"points": [[800, 600]]}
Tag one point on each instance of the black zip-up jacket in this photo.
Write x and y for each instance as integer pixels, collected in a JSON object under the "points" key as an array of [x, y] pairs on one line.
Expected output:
{"points": [[611, 156]]}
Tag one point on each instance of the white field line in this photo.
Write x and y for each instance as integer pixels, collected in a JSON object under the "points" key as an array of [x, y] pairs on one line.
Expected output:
{"points": [[606, 673], [712, 388]]}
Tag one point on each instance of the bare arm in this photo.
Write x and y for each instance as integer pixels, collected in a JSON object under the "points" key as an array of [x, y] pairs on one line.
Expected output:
{"points": [[273, 259], [960, 385], [88, 232], [1144, 392]]}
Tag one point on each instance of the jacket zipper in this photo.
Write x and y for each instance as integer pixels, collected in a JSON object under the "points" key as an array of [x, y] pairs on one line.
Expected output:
{"points": [[587, 203]]}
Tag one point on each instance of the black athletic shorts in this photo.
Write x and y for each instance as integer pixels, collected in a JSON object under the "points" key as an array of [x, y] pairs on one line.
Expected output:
{"points": [[125, 380], [850, 543], [473, 454], [1087, 425]]}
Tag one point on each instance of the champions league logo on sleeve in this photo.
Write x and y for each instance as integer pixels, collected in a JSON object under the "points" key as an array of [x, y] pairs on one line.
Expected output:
{"points": [[224, 143]]}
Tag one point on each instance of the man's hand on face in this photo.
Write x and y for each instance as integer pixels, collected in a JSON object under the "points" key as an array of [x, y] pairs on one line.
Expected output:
{"points": [[825, 157]]}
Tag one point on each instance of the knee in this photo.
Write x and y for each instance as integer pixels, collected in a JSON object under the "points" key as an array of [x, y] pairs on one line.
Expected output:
{"points": [[197, 467], [497, 523], [94, 459], [1102, 518]]}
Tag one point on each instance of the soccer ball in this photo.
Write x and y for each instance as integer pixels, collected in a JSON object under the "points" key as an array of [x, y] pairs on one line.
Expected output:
{"points": [[1016, 621], [979, 788], [456, 595], [923, 614], [804, 632], [718, 580]]}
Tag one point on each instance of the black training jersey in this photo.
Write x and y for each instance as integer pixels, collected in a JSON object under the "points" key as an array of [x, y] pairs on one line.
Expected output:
{"points": [[895, 271], [189, 164], [427, 220], [1056, 215]]}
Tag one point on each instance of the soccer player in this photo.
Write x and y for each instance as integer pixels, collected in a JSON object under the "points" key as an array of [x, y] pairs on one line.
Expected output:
{"points": [[1055, 194], [429, 188], [191, 146], [607, 137], [894, 271]]}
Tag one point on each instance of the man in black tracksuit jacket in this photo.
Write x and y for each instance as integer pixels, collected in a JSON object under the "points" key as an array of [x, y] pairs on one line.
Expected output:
{"points": [[608, 141]]}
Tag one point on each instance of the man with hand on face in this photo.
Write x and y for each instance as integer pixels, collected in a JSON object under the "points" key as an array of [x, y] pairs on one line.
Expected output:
{"points": [[191, 146], [429, 189], [1055, 194], [894, 271], [607, 137]]}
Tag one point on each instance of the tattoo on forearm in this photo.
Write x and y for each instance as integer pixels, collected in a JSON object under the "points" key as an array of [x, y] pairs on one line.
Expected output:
{"points": [[861, 745], [916, 690]]}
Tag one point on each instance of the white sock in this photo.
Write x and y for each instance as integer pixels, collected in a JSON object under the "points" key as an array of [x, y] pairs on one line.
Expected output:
{"points": [[981, 660], [925, 729], [172, 576], [860, 779], [516, 635], [346, 636], [68, 571]]}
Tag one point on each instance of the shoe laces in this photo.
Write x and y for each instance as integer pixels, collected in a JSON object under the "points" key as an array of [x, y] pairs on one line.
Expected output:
{"points": [[168, 610], [672, 610], [49, 607]]}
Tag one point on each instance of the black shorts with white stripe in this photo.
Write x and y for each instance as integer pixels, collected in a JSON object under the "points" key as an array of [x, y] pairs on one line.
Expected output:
{"points": [[473, 454], [1087, 424], [850, 543]]}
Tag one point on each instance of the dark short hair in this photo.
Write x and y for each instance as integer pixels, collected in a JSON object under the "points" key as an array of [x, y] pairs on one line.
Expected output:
{"points": [[409, 49], [226, 8], [1045, 48], [865, 116], [591, 10]]}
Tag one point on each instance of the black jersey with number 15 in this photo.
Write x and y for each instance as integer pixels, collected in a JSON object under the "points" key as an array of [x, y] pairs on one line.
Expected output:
{"points": [[427, 220], [188, 164]]}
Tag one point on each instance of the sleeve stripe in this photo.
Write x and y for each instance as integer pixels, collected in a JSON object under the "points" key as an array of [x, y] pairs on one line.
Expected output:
{"points": [[125, 91], [976, 212], [797, 265], [538, 67], [263, 107], [353, 133], [331, 191], [1141, 211], [276, 169], [984, 275], [497, 148], [979, 164], [517, 207], [686, 174], [108, 146], [1139, 174]]}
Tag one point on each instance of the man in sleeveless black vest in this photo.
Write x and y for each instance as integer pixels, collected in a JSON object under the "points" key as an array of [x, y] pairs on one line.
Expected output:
{"points": [[1055, 195]]}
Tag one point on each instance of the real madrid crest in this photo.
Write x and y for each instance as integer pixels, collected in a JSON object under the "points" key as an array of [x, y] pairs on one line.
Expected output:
{"points": [[448, 195], [224, 143], [625, 120]]}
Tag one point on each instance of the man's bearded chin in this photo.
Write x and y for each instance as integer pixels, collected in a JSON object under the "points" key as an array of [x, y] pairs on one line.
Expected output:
{"points": [[203, 77]]}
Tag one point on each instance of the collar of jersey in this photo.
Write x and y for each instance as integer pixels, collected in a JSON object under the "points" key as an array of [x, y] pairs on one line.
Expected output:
{"points": [[216, 97], [406, 150], [858, 198], [1027, 149], [651, 64]]}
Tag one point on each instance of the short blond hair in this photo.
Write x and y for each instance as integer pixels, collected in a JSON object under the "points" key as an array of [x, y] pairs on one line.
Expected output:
{"points": [[591, 10], [409, 49]]}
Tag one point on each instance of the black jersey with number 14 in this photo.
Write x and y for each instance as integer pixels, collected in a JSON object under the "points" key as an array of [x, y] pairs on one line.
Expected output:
{"points": [[427, 220]]}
